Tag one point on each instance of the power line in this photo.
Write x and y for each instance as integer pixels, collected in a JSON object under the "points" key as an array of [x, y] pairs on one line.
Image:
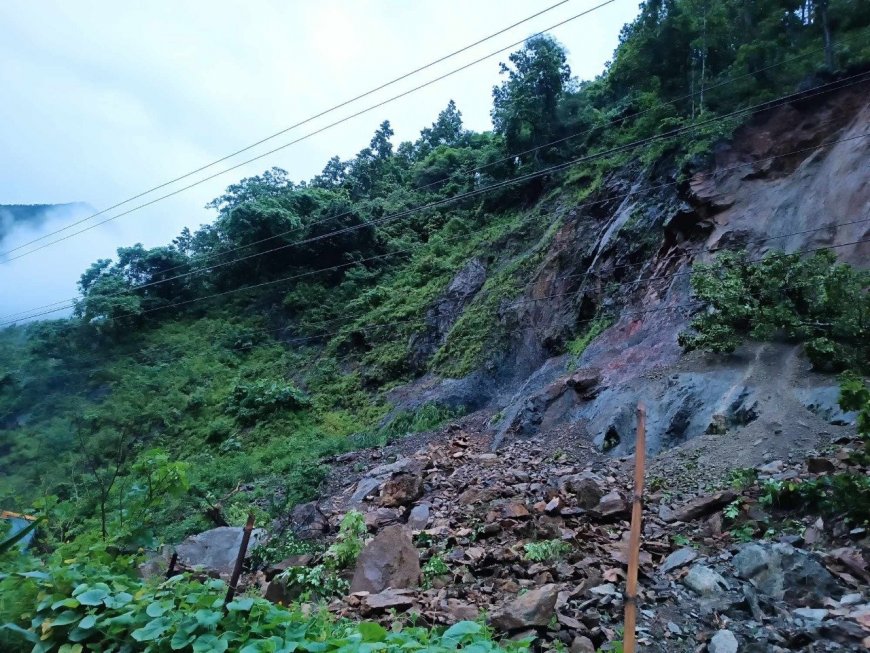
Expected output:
{"points": [[286, 145]]}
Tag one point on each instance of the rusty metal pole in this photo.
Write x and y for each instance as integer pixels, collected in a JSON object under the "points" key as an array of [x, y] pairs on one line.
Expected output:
{"points": [[237, 570], [629, 639], [171, 569]]}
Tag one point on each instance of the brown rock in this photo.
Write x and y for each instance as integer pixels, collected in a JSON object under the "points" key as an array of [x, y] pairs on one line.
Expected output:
{"points": [[700, 507], [612, 504], [402, 489], [461, 611], [582, 644], [390, 560], [820, 466], [586, 489], [301, 560], [380, 517], [533, 609], [389, 599]]}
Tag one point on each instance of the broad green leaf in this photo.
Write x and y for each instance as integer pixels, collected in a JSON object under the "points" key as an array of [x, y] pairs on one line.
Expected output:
{"points": [[240, 605], [181, 640], [209, 644], [155, 610], [65, 603], [70, 648], [461, 629], [372, 632], [207, 618], [29, 635], [152, 630], [67, 617], [88, 622], [92, 596]]}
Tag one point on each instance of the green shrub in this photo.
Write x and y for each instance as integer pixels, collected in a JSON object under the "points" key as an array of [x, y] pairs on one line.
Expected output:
{"points": [[251, 401], [348, 543], [546, 550], [813, 300]]}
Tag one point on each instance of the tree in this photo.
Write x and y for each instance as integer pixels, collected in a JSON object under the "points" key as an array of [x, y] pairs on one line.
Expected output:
{"points": [[446, 130], [525, 105]]}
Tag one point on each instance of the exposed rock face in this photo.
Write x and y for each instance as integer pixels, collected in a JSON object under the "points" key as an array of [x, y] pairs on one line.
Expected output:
{"points": [[446, 310], [216, 550], [533, 609], [390, 560]]}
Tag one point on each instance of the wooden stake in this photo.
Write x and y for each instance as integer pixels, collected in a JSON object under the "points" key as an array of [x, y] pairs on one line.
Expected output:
{"points": [[634, 540], [240, 559]]}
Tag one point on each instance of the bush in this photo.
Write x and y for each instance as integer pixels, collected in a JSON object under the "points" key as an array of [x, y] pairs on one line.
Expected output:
{"points": [[250, 401], [813, 300], [546, 550]]}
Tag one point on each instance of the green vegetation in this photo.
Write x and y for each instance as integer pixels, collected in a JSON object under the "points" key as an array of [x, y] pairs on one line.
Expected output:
{"points": [[211, 376], [434, 567], [578, 345], [811, 299], [846, 494], [546, 550]]}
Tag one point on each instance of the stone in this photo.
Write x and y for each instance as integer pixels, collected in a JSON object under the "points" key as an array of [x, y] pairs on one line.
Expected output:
{"points": [[388, 599], [419, 517], [678, 558], [700, 507], [820, 466], [784, 573], [402, 489], [773, 467], [216, 550], [723, 642], [533, 609], [461, 611], [582, 644], [364, 488], [300, 560], [380, 517], [278, 592], [704, 581], [586, 489], [811, 614], [308, 522], [612, 504], [390, 560]]}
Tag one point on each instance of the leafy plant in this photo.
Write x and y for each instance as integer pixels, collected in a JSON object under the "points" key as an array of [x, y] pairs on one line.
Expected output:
{"points": [[732, 510], [742, 478], [546, 550], [433, 568], [348, 543]]}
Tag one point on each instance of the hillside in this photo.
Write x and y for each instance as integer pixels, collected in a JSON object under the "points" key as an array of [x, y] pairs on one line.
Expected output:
{"points": [[689, 230]]}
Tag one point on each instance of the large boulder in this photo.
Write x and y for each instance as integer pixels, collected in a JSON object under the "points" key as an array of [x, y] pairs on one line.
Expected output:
{"points": [[390, 560], [308, 522], [784, 573], [534, 609], [216, 550], [586, 488], [402, 489]]}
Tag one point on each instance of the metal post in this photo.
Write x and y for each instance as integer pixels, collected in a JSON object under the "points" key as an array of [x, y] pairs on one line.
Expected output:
{"points": [[634, 540], [237, 570]]}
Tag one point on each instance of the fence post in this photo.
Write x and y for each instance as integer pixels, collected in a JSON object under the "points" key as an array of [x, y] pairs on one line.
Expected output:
{"points": [[629, 639], [240, 560]]}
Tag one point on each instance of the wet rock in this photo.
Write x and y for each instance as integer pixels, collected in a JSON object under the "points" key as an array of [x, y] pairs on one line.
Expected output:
{"points": [[216, 550], [705, 581], [402, 489], [723, 642], [308, 522], [700, 507], [678, 558], [419, 517], [784, 573], [390, 560], [820, 466], [810, 614], [535, 608], [773, 467], [380, 517]]}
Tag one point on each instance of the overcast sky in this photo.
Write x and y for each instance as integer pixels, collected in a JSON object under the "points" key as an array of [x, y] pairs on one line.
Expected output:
{"points": [[102, 100]]}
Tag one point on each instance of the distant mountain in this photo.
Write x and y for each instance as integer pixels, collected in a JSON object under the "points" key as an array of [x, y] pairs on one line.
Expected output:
{"points": [[33, 215]]}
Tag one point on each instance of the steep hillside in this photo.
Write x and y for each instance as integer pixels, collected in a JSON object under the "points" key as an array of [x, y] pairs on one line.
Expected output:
{"points": [[610, 242]]}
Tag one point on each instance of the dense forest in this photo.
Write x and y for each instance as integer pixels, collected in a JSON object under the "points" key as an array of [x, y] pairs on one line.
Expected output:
{"points": [[246, 350]]}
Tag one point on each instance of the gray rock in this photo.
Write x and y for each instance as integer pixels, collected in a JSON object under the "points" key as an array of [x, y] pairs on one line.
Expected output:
{"points": [[308, 522], [811, 614], [705, 581], [582, 644], [216, 550], [365, 487], [723, 642], [419, 517], [533, 609], [390, 560], [586, 488], [784, 573], [678, 558], [701, 506]]}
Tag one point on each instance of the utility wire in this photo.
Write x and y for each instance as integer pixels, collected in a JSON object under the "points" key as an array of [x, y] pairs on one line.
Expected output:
{"points": [[293, 142], [819, 90]]}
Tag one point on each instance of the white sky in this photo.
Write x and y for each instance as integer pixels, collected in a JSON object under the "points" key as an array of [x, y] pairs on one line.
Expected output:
{"points": [[102, 100]]}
